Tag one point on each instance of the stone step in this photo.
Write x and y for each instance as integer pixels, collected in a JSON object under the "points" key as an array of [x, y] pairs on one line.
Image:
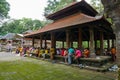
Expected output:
{"points": [[102, 68]]}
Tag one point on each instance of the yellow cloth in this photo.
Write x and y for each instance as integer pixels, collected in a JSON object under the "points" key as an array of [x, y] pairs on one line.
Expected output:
{"points": [[46, 51], [21, 49], [41, 51]]}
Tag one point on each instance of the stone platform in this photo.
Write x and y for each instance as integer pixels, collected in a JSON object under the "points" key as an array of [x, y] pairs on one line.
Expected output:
{"points": [[95, 62]]}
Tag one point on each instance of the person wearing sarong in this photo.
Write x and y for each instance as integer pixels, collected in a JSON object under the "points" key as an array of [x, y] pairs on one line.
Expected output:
{"points": [[86, 53], [78, 54], [70, 55]]}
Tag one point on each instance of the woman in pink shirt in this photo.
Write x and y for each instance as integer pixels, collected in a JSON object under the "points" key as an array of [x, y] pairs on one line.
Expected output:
{"points": [[78, 54]]}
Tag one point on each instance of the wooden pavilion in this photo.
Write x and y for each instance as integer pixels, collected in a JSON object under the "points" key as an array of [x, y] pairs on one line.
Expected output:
{"points": [[77, 22]]}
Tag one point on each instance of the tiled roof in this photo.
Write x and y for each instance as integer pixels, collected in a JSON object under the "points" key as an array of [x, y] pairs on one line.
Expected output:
{"points": [[73, 6], [69, 21]]}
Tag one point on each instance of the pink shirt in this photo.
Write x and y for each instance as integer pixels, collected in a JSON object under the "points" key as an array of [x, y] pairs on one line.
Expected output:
{"points": [[78, 53]]}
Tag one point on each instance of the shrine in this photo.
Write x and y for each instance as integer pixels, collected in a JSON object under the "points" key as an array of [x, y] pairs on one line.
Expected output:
{"points": [[77, 22]]}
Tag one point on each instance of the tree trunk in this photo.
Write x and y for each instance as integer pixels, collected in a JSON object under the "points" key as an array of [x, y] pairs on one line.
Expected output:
{"points": [[112, 9], [118, 47]]}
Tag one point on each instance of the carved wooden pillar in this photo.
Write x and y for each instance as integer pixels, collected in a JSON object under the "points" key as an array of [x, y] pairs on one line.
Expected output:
{"points": [[45, 43], [53, 42], [62, 44], [68, 38], [95, 40], [71, 36], [79, 37], [95, 44], [41, 41], [92, 53], [33, 42], [113, 45], [71, 43], [101, 42]]}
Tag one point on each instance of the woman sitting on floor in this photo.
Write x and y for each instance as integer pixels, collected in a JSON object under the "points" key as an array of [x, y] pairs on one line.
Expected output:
{"points": [[65, 55], [113, 53], [78, 54], [86, 53], [62, 51]]}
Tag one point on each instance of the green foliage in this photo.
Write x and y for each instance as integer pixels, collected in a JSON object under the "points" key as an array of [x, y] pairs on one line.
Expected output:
{"points": [[52, 4], [97, 5], [55, 5], [20, 26], [4, 8], [85, 44]]}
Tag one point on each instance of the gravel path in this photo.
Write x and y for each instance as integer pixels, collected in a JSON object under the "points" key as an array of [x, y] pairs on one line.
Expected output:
{"points": [[8, 56]]}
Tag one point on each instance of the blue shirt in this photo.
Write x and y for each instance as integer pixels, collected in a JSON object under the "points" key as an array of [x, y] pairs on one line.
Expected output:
{"points": [[70, 51]]}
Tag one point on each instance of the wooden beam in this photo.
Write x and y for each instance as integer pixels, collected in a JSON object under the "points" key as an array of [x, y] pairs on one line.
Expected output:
{"points": [[62, 44], [41, 41], [113, 44], [79, 37], [92, 53], [95, 44], [68, 38], [33, 42], [45, 43], [101, 41], [71, 38], [53, 42], [103, 27]]}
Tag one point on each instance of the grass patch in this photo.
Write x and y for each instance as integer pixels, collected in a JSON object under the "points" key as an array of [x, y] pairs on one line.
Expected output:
{"points": [[32, 69]]}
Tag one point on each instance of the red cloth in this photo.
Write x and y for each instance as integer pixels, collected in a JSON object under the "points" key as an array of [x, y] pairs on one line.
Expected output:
{"points": [[62, 52]]}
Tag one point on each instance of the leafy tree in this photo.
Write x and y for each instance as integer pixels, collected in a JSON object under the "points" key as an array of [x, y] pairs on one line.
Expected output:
{"points": [[112, 9], [55, 5], [4, 8], [52, 4], [21, 25], [97, 5]]}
